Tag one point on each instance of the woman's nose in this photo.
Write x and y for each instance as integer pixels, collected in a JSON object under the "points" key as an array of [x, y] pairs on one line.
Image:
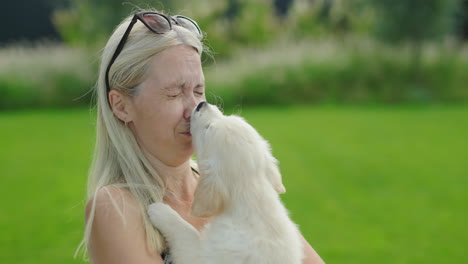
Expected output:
{"points": [[190, 104]]}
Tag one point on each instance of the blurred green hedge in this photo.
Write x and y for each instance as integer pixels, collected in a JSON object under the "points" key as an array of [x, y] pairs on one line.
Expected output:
{"points": [[319, 53], [354, 71], [45, 75]]}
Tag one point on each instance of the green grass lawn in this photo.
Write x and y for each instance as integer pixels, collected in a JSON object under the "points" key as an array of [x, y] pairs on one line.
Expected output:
{"points": [[365, 184]]}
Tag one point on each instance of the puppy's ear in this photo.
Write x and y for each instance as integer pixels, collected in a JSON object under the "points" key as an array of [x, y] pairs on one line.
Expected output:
{"points": [[273, 173], [209, 197]]}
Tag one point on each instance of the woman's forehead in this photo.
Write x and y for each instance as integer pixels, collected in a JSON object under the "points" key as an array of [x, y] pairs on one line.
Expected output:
{"points": [[178, 54], [182, 81], [177, 66]]}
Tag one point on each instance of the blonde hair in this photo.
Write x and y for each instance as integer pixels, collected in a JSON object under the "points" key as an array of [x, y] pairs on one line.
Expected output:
{"points": [[118, 160]]}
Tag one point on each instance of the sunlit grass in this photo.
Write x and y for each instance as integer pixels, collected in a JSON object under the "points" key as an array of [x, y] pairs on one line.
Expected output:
{"points": [[43, 159], [374, 185], [365, 185]]}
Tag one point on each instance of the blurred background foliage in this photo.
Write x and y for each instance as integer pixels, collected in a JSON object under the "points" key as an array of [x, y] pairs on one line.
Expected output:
{"points": [[352, 51]]}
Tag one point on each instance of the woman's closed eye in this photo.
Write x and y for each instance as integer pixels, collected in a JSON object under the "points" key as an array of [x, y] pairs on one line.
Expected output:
{"points": [[174, 95], [175, 92], [199, 90]]}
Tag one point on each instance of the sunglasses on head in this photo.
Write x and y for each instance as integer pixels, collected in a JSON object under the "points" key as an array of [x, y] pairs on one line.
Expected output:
{"points": [[156, 22]]}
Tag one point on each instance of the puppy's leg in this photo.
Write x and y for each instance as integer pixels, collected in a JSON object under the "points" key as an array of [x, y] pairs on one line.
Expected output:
{"points": [[183, 239]]}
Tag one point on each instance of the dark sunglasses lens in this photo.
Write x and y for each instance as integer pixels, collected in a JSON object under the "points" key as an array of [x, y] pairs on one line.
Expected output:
{"points": [[157, 22], [188, 24]]}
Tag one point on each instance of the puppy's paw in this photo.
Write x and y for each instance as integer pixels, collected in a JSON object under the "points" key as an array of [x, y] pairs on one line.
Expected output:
{"points": [[160, 213], [280, 189]]}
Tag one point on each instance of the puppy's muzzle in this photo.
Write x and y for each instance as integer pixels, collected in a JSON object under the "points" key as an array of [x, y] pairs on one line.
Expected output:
{"points": [[200, 106]]}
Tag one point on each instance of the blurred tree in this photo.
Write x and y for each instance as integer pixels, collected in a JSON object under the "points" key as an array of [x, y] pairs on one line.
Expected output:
{"points": [[254, 25], [462, 20], [232, 9], [37, 26], [414, 22], [330, 17], [233, 24], [228, 24], [90, 22], [282, 7]]}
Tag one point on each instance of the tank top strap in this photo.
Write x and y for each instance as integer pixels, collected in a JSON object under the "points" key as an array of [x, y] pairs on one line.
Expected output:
{"points": [[195, 171]]}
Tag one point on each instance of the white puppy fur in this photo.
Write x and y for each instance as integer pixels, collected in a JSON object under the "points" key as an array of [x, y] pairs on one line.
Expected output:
{"points": [[239, 185]]}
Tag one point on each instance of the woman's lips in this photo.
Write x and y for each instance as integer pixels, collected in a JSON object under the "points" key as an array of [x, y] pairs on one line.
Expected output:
{"points": [[185, 130]]}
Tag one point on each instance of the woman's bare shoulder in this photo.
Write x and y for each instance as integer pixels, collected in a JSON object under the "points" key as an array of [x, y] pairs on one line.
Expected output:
{"points": [[111, 200], [117, 233]]}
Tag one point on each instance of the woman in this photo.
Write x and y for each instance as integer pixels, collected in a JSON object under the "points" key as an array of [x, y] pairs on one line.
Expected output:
{"points": [[150, 80]]}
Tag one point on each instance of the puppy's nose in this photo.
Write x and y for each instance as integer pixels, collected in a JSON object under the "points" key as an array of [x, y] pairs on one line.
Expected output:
{"points": [[200, 105]]}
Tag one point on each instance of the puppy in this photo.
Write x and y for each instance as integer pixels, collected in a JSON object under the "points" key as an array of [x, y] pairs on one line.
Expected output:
{"points": [[238, 187]]}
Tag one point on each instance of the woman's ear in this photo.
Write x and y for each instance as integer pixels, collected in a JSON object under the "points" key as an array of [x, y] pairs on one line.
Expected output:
{"points": [[120, 106]]}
